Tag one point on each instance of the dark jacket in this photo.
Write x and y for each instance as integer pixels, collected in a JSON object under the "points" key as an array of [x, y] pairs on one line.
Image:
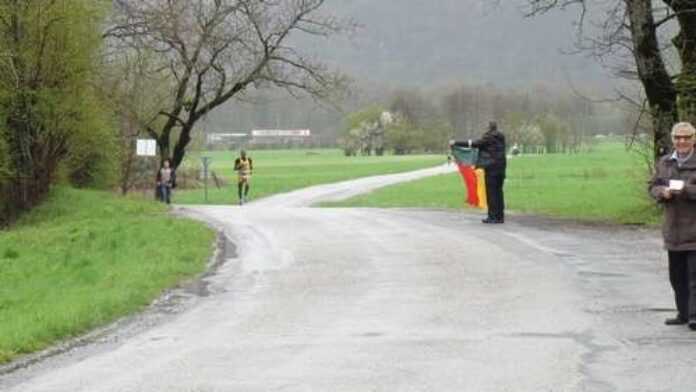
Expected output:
{"points": [[492, 144], [679, 224]]}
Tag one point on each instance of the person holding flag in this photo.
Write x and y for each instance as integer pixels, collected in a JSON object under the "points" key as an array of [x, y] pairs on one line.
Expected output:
{"points": [[491, 158], [465, 159]]}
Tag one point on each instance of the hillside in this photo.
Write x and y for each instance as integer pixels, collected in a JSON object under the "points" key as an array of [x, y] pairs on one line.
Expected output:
{"points": [[417, 42]]}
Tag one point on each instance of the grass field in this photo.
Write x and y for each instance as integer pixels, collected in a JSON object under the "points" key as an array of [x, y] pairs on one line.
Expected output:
{"points": [[278, 171], [608, 184], [85, 258]]}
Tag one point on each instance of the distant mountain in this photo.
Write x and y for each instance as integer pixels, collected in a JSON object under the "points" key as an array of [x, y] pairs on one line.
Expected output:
{"points": [[428, 44], [425, 42]]}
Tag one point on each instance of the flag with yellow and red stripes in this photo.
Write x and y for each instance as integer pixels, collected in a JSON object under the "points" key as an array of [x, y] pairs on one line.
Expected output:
{"points": [[474, 178]]}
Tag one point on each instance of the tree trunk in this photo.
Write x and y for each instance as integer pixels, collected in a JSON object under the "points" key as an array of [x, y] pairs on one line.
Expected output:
{"points": [[126, 180], [685, 43], [163, 145], [659, 89], [180, 147]]}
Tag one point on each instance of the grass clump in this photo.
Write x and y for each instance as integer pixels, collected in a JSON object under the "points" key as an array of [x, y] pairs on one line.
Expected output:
{"points": [[85, 258]]}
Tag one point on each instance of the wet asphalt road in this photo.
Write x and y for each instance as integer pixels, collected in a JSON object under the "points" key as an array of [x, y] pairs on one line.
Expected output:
{"points": [[400, 300]]}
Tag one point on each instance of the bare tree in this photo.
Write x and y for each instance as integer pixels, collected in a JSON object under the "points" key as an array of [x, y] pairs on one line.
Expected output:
{"points": [[632, 30], [136, 94], [210, 51]]}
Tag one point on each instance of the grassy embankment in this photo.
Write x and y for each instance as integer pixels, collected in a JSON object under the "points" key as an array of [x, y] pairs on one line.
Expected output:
{"points": [[608, 184], [85, 258], [277, 171]]}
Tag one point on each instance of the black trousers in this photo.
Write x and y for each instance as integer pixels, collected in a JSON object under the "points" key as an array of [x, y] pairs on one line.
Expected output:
{"points": [[494, 196], [682, 276], [240, 186]]}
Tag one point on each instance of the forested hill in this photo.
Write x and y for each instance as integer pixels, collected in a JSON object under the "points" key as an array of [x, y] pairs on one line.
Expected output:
{"points": [[425, 42], [429, 45]]}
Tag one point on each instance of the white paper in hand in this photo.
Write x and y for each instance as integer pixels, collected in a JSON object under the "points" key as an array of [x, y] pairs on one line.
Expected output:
{"points": [[676, 185]]}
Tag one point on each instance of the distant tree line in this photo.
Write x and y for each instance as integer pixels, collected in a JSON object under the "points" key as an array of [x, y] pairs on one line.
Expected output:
{"points": [[538, 120]]}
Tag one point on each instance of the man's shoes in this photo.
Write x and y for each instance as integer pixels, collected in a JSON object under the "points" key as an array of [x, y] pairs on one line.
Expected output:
{"points": [[489, 220], [692, 324], [678, 321]]}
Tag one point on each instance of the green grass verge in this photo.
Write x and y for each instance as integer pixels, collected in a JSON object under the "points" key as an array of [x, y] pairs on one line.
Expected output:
{"points": [[608, 184], [85, 258], [278, 171]]}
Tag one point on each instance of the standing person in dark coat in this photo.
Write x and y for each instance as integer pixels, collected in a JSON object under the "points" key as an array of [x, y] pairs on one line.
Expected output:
{"points": [[492, 159], [674, 186]]}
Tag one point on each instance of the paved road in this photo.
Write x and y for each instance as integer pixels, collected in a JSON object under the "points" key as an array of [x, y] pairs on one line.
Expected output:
{"points": [[402, 300]]}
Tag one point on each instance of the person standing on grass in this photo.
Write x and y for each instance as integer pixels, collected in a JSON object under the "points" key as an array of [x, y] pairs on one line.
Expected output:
{"points": [[674, 187], [244, 166], [493, 161], [165, 181]]}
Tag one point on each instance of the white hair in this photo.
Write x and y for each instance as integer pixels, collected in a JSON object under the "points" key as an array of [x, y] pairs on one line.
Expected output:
{"points": [[683, 125]]}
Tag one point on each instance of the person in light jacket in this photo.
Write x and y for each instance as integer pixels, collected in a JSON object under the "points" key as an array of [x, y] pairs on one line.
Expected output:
{"points": [[165, 182], [674, 187]]}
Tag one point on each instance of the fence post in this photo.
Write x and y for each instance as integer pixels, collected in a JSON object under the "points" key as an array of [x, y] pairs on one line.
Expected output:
{"points": [[206, 162]]}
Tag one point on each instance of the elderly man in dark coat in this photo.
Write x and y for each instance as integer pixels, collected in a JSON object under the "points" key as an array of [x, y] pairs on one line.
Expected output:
{"points": [[674, 186], [493, 161]]}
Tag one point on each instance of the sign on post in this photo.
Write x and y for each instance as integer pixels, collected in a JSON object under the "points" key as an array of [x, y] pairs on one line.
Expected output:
{"points": [[146, 148], [206, 163]]}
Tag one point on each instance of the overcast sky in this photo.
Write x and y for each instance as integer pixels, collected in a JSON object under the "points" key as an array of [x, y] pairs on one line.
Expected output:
{"points": [[425, 42]]}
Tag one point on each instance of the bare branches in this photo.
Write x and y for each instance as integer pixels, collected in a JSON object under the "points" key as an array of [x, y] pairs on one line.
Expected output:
{"points": [[538, 7], [210, 51], [630, 34], [670, 16]]}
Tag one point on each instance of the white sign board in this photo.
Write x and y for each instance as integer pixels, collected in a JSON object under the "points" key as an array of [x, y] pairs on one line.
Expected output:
{"points": [[281, 133], [146, 148]]}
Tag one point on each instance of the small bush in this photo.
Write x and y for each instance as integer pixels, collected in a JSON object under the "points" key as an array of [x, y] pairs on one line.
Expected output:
{"points": [[92, 158], [10, 254]]}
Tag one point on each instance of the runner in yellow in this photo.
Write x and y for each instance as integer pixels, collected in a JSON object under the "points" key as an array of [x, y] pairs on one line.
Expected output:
{"points": [[244, 166]]}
